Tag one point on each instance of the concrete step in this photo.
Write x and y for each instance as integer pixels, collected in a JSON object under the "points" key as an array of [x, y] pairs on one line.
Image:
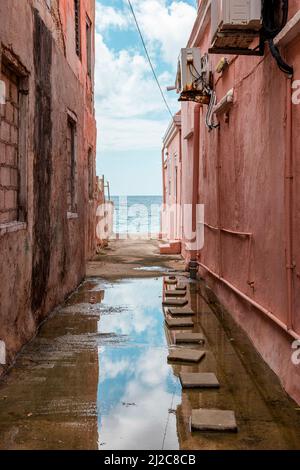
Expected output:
{"points": [[181, 312], [214, 420], [186, 355], [165, 249], [175, 293], [173, 283], [179, 322], [170, 280], [172, 247], [186, 338], [198, 380], [175, 302], [181, 286]]}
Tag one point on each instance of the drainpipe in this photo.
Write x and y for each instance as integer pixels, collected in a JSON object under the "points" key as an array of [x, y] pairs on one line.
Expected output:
{"points": [[163, 173], [255, 304], [289, 206], [180, 193], [164, 192], [220, 254], [193, 265]]}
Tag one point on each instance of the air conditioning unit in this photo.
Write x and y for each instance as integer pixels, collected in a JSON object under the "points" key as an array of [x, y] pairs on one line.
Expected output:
{"points": [[235, 24], [193, 75]]}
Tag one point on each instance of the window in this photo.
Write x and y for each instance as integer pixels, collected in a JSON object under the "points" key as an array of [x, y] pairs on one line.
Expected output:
{"points": [[89, 46], [91, 174], [12, 145], [77, 27], [71, 166]]}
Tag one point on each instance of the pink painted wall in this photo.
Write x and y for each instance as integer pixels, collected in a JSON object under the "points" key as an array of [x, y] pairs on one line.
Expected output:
{"points": [[243, 184]]}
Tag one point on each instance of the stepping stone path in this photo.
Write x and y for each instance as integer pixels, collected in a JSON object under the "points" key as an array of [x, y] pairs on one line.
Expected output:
{"points": [[175, 302], [204, 380], [179, 322], [186, 355], [189, 338], [202, 419], [213, 420], [175, 293], [180, 312]]}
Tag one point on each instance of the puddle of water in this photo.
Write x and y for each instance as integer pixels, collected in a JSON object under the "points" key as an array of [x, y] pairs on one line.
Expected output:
{"points": [[137, 389], [97, 377], [151, 268]]}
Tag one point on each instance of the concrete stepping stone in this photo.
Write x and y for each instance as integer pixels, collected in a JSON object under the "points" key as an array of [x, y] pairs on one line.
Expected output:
{"points": [[180, 312], [171, 280], [175, 293], [179, 322], [175, 302], [198, 380], [186, 355], [181, 338], [213, 420], [181, 287]]}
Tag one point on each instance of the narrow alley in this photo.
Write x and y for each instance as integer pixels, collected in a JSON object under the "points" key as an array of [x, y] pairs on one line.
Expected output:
{"points": [[97, 374], [149, 218]]}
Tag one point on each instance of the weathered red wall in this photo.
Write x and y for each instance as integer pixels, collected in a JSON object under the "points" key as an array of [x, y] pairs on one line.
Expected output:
{"points": [[45, 260], [242, 182]]}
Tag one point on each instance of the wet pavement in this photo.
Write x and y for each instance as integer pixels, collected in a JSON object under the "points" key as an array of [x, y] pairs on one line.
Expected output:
{"points": [[97, 377]]}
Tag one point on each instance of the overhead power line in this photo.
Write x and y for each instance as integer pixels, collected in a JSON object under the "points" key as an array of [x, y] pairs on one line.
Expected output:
{"points": [[149, 59]]}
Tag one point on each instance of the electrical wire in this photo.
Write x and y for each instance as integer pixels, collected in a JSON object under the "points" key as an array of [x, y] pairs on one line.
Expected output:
{"points": [[212, 102], [207, 89], [272, 22], [168, 419], [149, 59], [209, 115], [275, 16], [284, 67]]}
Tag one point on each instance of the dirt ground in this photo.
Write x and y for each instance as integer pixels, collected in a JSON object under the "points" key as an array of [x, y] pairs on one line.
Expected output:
{"points": [[132, 258]]}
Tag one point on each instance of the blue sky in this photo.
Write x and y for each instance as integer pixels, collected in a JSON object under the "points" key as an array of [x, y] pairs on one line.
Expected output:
{"points": [[131, 116]]}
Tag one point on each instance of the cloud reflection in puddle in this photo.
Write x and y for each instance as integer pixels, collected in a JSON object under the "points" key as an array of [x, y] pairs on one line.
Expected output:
{"points": [[137, 372]]}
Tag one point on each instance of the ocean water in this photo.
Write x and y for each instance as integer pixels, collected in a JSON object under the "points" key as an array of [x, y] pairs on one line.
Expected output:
{"points": [[137, 214]]}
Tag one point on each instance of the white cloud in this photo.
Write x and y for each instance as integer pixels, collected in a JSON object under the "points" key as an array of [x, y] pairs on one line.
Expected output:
{"points": [[107, 16], [111, 369], [153, 369], [130, 134], [167, 27], [124, 85], [122, 323], [125, 94], [129, 109], [145, 423]]}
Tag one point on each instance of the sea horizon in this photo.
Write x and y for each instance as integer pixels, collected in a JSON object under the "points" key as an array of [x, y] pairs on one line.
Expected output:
{"points": [[137, 214]]}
